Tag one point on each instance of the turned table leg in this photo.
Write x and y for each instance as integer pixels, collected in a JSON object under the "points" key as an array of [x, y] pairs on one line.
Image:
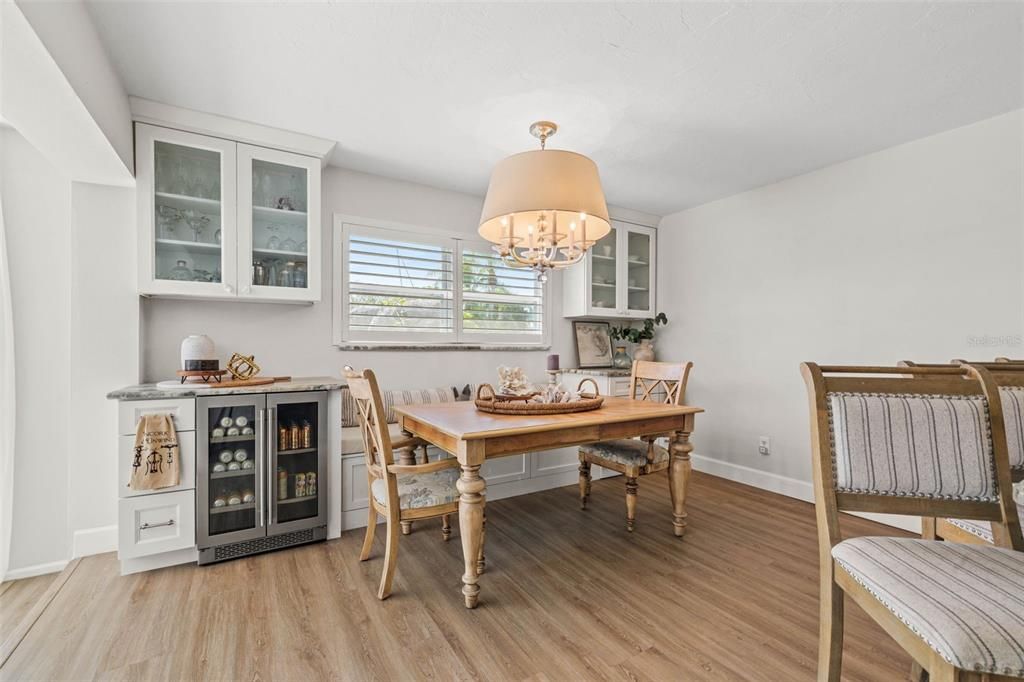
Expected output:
{"points": [[471, 527], [679, 478]]}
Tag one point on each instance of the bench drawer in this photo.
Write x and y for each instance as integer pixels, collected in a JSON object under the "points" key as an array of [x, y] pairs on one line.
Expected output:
{"points": [[153, 524], [126, 453], [182, 410]]}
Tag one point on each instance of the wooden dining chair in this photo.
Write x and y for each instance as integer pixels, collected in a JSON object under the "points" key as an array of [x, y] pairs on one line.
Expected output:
{"points": [[1009, 377], [657, 381], [926, 442], [398, 492]]}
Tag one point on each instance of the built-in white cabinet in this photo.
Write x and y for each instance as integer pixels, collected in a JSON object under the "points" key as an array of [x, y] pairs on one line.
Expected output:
{"points": [[227, 220], [617, 276]]}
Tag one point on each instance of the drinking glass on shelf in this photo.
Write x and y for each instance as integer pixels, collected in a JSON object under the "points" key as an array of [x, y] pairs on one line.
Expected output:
{"points": [[273, 242], [272, 272], [289, 245], [196, 221], [299, 276], [285, 278], [167, 218]]}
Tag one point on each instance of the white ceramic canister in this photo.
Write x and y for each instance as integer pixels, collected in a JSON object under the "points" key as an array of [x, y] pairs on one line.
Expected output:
{"points": [[197, 347]]}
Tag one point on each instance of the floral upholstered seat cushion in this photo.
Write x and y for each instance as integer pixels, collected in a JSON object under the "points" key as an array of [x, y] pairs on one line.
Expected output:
{"points": [[625, 452], [965, 601], [420, 490]]}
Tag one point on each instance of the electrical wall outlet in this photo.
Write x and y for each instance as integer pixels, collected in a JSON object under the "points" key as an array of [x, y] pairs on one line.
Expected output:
{"points": [[764, 445]]}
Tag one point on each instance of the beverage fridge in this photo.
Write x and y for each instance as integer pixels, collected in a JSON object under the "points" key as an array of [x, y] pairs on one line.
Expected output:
{"points": [[261, 469]]}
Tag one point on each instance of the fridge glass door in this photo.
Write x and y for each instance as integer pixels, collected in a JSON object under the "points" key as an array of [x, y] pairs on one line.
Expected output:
{"points": [[298, 449], [230, 503]]}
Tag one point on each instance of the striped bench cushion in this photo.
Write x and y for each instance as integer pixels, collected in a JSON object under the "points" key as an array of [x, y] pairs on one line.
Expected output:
{"points": [[912, 445], [1013, 415], [416, 396], [965, 601]]}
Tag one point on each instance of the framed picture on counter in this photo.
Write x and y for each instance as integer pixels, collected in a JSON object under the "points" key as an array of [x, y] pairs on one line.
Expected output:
{"points": [[593, 344]]}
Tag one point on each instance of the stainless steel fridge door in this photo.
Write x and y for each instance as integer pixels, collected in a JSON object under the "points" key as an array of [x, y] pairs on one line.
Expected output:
{"points": [[231, 462], [297, 471]]}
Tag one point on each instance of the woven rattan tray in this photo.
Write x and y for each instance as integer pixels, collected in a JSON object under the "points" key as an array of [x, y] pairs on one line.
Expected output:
{"points": [[487, 400]]}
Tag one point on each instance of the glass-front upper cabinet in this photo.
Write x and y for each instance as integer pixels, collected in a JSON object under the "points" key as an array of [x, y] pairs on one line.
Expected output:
{"points": [[279, 243], [222, 219], [617, 278], [604, 273], [186, 186]]}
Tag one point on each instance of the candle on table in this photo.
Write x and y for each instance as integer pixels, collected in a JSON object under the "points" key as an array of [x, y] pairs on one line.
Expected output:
{"points": [[553, 362]]}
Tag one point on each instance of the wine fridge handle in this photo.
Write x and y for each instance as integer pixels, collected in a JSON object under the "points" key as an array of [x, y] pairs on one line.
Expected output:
{"points": [[271, 430], [261, 435]]}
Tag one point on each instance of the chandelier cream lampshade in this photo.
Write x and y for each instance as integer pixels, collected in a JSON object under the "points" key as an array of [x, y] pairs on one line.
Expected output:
{"points": [[544, 208]]}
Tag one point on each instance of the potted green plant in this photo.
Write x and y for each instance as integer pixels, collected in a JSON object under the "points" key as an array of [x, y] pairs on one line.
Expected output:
{"points": [[638, 335]]}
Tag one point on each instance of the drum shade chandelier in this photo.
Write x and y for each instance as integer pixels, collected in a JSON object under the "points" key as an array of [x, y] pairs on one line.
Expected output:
{"points": [[544, 208]]}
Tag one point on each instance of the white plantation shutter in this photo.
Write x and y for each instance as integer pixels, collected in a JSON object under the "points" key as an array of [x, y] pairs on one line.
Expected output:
{"points": [[499, 302], [399, 286], [403, 286]]}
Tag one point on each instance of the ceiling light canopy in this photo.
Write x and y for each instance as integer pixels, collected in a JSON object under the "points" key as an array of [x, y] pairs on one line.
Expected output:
{"points": [[544, 208]]}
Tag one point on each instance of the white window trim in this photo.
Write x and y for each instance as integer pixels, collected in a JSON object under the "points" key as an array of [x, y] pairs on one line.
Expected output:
{"points": [[343, 338]]}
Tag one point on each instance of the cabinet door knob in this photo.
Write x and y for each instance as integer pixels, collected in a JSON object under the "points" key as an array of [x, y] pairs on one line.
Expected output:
{"points": [[228, 288]]}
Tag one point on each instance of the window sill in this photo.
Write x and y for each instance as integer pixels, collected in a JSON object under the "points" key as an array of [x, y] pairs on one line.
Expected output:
{"points": [[441, 346]]}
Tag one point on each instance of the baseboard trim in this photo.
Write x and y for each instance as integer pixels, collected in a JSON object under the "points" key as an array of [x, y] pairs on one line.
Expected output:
{"points": [[790, 487], [33, 571], [89, 541]]}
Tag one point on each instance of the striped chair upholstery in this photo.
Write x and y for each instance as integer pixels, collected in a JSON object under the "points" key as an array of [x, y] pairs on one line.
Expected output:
{"points": [[1013, 415], [965, 601], [912, 445]]}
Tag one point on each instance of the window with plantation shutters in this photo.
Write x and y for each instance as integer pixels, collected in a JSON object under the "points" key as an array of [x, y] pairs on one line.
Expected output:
{"points": [[405, 286]]}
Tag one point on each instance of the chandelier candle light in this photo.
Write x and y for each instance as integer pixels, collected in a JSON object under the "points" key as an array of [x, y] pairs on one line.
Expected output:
{"points": [[544, 209]]}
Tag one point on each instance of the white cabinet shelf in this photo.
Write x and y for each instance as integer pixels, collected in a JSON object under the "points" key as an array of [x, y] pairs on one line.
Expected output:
{"points": [[207, 208], [616, 278]]}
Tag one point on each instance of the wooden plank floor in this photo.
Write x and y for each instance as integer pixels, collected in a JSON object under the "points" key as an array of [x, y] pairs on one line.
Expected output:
{"points": [[17, 598], [567, 595]]}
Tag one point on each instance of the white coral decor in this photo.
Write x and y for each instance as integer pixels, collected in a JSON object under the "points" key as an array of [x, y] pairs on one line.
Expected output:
{"points": [[513, 381], [555, 394]]}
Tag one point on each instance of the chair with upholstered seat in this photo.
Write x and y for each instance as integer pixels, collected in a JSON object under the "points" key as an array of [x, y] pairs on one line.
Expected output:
{"points": [[659, 381], [399, 492], [924, 441]]}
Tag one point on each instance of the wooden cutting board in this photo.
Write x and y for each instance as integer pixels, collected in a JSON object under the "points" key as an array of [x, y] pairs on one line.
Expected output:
{"points": [[233, 383]]}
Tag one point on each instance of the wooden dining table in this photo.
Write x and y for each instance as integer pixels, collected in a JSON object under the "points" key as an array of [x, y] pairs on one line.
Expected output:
{"points": [[473, 436]]}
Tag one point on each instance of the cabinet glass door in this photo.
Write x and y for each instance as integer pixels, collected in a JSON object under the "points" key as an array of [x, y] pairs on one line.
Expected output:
{"points": [[298, 448], [230, 468], [639, 271], [279, 224], [188, 183], [603, 274]]}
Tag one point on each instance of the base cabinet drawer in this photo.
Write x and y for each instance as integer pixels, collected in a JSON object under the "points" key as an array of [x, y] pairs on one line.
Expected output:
{"points": [[182, 411], [126, 456], [152, 524], [619, 386]]}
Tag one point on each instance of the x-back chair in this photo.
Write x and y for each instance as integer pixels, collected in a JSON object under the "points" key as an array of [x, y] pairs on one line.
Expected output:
{"points": [[399, 492], [1009, 376], [661, 381], [928, 444]]}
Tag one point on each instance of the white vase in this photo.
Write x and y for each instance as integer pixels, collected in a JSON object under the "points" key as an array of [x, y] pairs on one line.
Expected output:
{"points": [[644, 352], [197, 347]]}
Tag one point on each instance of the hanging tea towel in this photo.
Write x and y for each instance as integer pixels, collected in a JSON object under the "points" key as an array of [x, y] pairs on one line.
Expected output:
{"points": [[156, 460]]}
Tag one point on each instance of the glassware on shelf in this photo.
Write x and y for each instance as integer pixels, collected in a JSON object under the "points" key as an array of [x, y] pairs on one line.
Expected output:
{"points": [[259, 273], [267, 187], [196, 221], [299, 276], [273, 241], [272, 272], [216, 236], [167, 218], [181, 272], [285, 276], [289, 245], [303, 246]]}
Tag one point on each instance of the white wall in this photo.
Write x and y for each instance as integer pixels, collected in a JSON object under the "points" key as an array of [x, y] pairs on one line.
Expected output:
{"points": [[915, 252], [296, 340], [37, 222]]}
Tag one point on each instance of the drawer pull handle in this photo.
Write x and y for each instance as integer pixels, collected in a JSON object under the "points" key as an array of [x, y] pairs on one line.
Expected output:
{"points": [[147, 525]]}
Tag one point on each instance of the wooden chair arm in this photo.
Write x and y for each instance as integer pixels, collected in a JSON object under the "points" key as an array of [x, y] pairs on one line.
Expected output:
{"points": [[430, 467]]}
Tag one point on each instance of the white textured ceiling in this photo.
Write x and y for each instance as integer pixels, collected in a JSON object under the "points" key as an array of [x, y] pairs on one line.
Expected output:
{"points": [[679, 104]]}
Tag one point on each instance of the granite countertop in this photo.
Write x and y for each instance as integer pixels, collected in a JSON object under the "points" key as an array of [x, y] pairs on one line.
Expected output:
{"points": [[151, 392], [605, 372]]}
